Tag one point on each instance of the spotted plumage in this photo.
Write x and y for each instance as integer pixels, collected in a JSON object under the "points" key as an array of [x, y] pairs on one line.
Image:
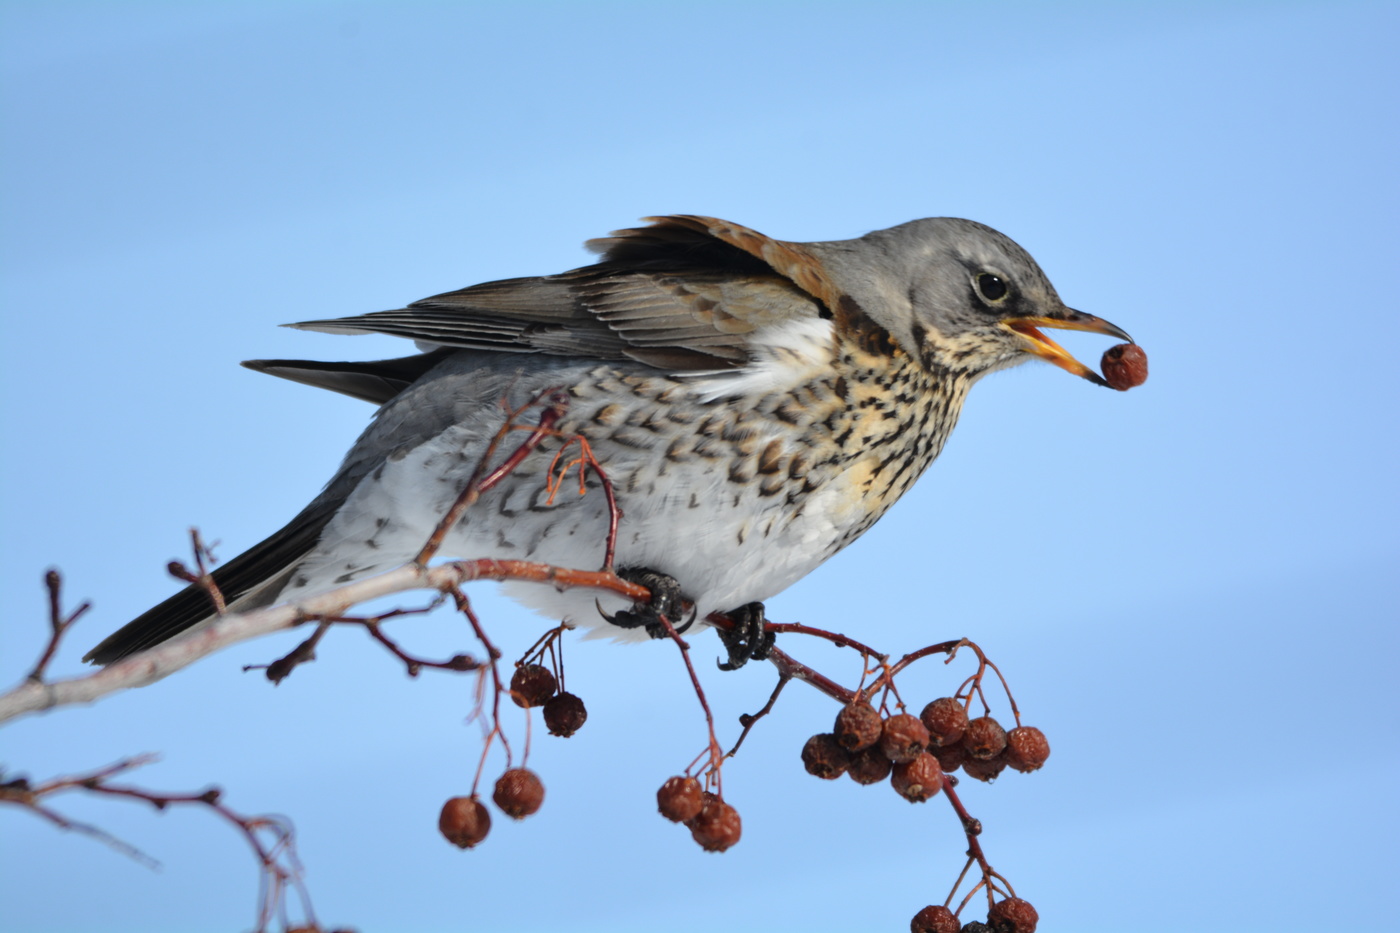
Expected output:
{"points": [[757, 405]]}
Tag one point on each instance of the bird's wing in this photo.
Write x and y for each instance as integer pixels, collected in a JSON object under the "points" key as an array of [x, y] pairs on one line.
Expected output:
{"points": [[686, 294]]}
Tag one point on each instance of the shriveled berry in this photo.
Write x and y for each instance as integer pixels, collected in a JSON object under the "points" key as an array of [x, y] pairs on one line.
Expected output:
{"points": [[917, 780], [984, 738], [984, 769], [950, 757], [933, 919], [1013, 915], [680, 799], [857, 727], [1026, 748], [976, 926], [532, 685], [717, 827], [945, 719], [464, 821], [1124, 366], [824, 757], [903, 738], [869, 766], [518, 793], [564, 714]]}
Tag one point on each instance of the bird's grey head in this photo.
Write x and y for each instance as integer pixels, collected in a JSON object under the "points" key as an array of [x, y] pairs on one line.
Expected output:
{"points": [[958, 295]]}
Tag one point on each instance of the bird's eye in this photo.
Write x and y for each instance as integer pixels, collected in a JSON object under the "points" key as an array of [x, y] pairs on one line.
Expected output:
{"points": [[991, 287]]}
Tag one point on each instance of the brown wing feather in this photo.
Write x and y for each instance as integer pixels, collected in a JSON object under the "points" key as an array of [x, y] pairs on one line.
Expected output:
{"points": [[683, 295]]}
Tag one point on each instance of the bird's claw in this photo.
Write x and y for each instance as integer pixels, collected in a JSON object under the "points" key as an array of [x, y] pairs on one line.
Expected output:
{"points": [[666, 600], [748, 639]]}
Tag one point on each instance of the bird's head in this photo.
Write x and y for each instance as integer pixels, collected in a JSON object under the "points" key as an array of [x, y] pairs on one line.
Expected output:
{"points": [[959, 296]]}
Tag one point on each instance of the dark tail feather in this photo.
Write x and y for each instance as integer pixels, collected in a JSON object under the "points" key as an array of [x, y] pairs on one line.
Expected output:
{"points": [[375, 382], [249, 581]]}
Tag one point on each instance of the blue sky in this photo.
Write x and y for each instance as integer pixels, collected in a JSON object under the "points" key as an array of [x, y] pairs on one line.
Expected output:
{"points": [[1191, 586]]}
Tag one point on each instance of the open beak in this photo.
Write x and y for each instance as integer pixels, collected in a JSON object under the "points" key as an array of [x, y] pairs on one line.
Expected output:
{"points": [[1047, 349]]}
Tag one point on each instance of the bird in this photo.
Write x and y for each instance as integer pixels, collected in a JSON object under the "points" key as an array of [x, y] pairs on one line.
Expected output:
{"points": [[756, 404]]}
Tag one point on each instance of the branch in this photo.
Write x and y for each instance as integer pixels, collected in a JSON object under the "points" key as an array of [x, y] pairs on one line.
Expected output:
{"points": [[165, 659]]}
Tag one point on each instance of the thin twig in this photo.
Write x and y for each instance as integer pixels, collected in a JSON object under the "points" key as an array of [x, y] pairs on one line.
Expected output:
{"points": [[58, 623]]}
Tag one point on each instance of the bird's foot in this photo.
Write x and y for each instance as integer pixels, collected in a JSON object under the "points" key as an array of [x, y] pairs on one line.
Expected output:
{"points": [[747, 639], [666, 600]]}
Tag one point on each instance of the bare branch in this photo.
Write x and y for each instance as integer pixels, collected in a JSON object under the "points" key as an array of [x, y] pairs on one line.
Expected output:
{"points": [[160, 662]]}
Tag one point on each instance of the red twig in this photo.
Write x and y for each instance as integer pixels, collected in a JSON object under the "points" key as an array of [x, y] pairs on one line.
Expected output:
{"points": [[278, 864], [748, 720], [557, 404], [716, 754], [493, 666], [58, 623]]}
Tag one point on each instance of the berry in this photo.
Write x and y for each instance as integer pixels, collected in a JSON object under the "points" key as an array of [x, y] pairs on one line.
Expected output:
{"points": [[1013, 915], [903, 738], [869, 766], [532, 685], [935, 920], [824, 757], [917, 780], [1124, 366], [518, 793], [950, 757], [717, 827], [945, 719], [984, 769], [857, 727], [680, 799], [564, 714], [976, 926], [1026, 748], [984, 738], [464, 821]]}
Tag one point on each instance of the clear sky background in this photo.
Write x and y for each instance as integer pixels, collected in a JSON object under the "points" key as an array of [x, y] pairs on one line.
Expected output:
{"points": [[1192, 586]]}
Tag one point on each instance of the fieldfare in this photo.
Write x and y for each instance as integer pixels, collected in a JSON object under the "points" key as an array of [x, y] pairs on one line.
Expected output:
{"points": [[757, 405]]}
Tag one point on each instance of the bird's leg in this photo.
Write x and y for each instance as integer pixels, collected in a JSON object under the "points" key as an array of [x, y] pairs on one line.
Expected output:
{"points": [[666, 600], [747, 639]]}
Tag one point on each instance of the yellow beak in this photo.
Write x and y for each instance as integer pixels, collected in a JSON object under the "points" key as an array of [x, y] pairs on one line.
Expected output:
{"points": [[1045, 348]]}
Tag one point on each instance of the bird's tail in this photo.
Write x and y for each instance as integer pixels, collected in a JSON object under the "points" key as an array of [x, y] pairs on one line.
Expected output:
{"points": [[251, 580]]}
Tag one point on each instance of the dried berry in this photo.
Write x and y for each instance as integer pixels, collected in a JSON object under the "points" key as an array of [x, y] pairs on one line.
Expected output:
{"points": [[564, 714], [824, 757], [1013, 915], [984, 769], [976, 926], [869, 766], [1026, 748], [984, 738], [917, 780], [518, 793], [464, 821], [950, 757], [680, 799], [857, 727], [532, 685], [945, 719], [935, 920], [903, 738], [1124, 366], [717, 827]]}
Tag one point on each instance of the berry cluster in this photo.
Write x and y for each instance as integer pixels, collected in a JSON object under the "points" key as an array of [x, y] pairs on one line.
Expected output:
{"points": [[918, 755], [914, 752], [465, 821], [713, 824], [981, 747], [1011, 915]]}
